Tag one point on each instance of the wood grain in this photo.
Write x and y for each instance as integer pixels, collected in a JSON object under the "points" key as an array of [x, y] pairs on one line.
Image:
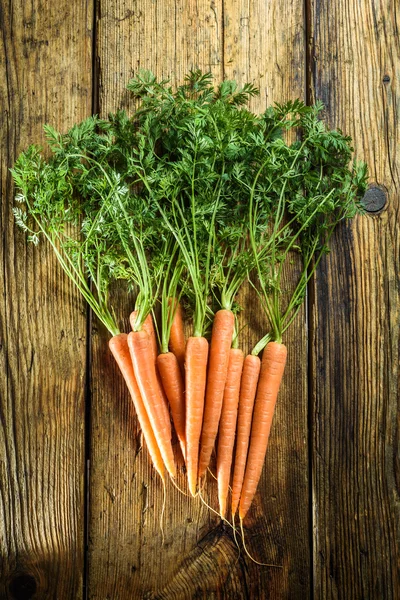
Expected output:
{"points": [[126, 555], [263, 48], [46, 67], [45, 76], [264, 43], [126, 558], [355, 57]]}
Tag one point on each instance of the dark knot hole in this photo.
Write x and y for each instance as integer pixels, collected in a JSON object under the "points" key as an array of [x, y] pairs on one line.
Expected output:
{"points": [[374, 199], [22, 587]]}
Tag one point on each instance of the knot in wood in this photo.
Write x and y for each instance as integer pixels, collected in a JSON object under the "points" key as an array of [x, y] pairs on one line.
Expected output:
{"points": [[374, 199], [22, 586]]}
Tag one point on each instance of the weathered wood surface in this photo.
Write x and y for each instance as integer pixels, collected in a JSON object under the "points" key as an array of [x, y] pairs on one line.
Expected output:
{"points": [[337, 534], [277, 527], [45, 76], [355, 57], [125, 495]]}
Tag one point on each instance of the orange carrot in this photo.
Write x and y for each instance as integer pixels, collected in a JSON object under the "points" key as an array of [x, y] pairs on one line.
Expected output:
{"points": [[248, 388], [272, 368], [195, 384], [177, 335], [145, 373], [120, 350], [148, 326], [227, 426], [221, 340], [172, 382]]}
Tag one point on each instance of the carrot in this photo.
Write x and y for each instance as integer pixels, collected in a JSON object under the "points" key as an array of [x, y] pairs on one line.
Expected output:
{"points": [[145, 373], [248, 388], [227, 426], [195, 384], [272, 368], [177, 335], [172, 382], [119, 347], [221, 340], [148, 326]]}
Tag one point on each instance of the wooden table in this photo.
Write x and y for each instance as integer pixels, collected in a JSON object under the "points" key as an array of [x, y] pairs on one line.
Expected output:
{"points": [[79, 502]]}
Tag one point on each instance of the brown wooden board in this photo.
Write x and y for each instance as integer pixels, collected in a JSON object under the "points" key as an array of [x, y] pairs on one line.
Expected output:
{"points": [[126, 555], [269, 51], [45, 76], [354, 60], [346, 413], [199, 558]]}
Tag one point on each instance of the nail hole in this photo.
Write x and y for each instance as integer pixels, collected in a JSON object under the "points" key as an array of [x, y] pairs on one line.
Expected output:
{"points": [[374, 199], [22, 587], [386, 79]]}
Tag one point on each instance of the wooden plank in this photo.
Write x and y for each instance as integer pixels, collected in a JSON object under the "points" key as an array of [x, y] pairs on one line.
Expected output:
{"points": [[355, 57], [45, 66], [126, 555], [263, 47], [126, 558]]}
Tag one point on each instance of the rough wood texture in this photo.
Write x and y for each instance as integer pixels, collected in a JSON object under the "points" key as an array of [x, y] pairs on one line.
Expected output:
{"points": [[45, 76], [352, 410], [355, 56], [263, 47], [269, 51], [125, 556]]}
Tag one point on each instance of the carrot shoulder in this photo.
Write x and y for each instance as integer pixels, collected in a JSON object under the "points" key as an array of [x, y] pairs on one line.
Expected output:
{"points": [[145, 373], [177, 342], [171, 378], [248, 389], [195, 383], [221, 340], [148, 326], [120, 350], [272, 368], [227, 426]]}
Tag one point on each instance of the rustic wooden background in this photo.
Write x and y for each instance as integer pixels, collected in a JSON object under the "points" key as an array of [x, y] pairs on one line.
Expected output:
{"points": [[79, 503]]}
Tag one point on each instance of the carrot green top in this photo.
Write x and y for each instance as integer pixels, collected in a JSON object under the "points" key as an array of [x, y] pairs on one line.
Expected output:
{"points": [[189, 197]]}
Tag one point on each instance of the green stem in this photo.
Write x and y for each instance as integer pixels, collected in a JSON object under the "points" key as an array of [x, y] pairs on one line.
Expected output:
{"points": [[169, 292], [252, 221], [261, 344], [80, 282]]}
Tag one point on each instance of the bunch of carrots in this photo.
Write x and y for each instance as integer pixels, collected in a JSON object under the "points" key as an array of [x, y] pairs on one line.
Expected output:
{"points": [[183, 203]]}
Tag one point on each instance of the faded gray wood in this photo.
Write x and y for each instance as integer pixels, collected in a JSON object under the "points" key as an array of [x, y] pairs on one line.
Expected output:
{"points": [[45, 76], [355, 55]]}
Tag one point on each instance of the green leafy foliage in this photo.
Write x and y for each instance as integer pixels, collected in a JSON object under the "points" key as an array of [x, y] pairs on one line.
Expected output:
{"points": [[189, 197]]}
